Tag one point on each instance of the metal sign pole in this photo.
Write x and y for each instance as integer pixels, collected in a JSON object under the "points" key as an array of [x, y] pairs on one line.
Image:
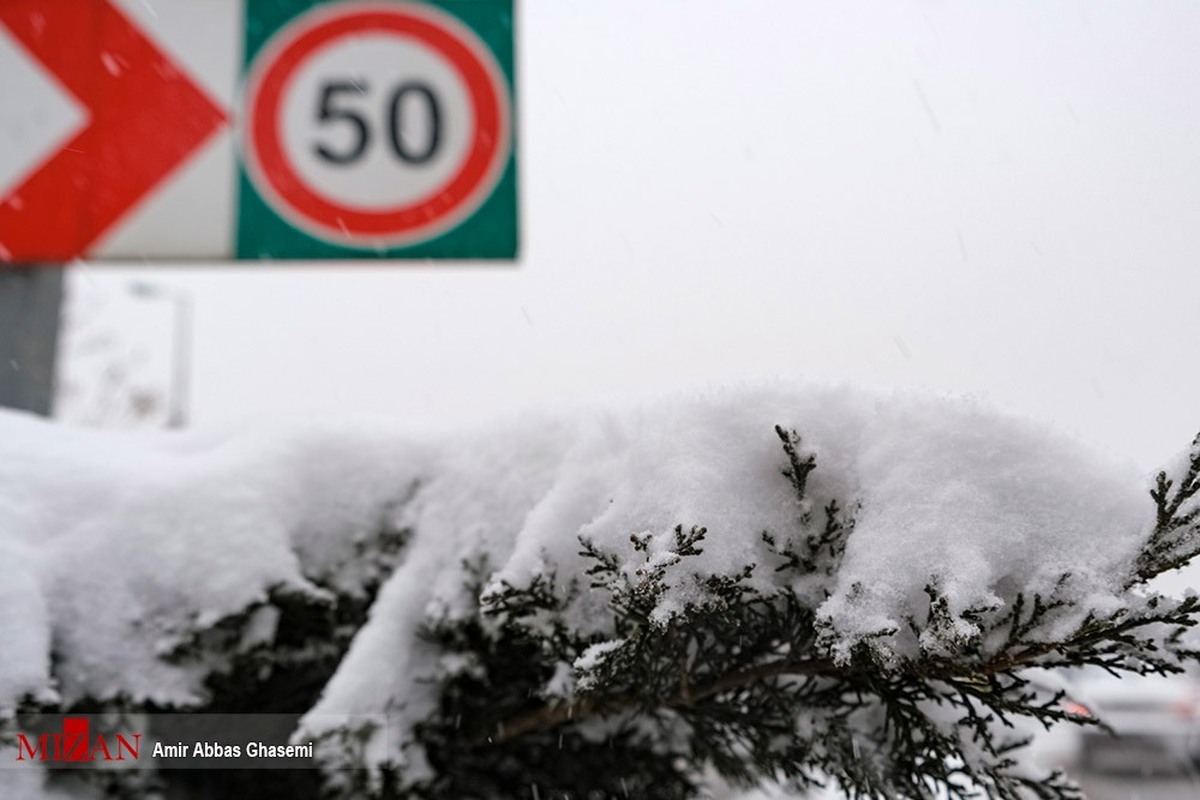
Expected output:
{"points": [[30, 299]]}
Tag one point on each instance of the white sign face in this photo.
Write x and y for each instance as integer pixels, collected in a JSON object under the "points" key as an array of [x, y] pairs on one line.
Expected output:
{"points": [[377, 122], [57, 145], [31, 130]]}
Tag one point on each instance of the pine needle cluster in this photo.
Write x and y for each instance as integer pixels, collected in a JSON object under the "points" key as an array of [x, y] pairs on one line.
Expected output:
{"points": [[744, 683]]}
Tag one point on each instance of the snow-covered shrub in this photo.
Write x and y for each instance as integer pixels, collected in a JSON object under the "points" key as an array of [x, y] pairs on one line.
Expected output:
{"points": [[784, 585]]}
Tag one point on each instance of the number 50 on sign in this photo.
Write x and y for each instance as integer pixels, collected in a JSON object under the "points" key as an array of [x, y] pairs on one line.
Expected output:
{"points": [[379, 125]]}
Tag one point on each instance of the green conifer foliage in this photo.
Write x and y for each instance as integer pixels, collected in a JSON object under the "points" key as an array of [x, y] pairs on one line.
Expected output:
{"points": [[746, 684]]}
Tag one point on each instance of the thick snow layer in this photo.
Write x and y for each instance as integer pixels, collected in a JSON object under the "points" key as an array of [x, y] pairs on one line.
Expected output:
{"points": [[115, 548], [24, 625], [980, 506], [949, 493]]}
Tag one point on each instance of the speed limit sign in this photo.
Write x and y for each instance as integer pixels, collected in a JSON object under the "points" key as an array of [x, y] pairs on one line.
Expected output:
{"points": [[280, 129], [380, 126]]}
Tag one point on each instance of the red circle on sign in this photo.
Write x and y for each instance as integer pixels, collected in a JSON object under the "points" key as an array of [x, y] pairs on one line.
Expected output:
{"points": [[441, 208]]}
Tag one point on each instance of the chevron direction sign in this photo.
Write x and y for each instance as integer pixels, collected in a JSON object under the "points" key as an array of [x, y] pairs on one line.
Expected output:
{"points": [[257, 129]]}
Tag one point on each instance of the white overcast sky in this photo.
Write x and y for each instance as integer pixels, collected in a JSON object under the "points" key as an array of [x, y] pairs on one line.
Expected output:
{"points": [[1000, 199]]}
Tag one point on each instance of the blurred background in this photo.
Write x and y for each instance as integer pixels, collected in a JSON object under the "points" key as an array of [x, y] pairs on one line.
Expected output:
{"points": [[996, 199]]}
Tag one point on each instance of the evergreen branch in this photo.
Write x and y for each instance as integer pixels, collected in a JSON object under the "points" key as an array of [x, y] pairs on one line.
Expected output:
{"points": [[552, 715], [731, 676], [798, 467], [1175, 539], [965, 677]]}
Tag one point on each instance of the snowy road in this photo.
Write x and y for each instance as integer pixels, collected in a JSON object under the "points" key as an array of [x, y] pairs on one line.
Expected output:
{"points": [[1121, 787]]}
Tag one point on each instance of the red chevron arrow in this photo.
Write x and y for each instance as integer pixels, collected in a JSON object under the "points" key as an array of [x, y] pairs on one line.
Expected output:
{"points": [[146, 117]]}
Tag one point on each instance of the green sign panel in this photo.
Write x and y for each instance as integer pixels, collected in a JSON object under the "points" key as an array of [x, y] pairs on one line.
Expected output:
{"points": [[378, 129]]}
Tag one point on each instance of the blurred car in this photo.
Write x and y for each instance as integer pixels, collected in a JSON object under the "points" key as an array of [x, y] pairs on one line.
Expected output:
{"points": [[1155, 722], [1056, 747]]}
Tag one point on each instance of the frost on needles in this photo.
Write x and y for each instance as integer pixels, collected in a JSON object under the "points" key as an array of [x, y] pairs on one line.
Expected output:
{"points": [[796, 587], [859, 596], [756, 683]]}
